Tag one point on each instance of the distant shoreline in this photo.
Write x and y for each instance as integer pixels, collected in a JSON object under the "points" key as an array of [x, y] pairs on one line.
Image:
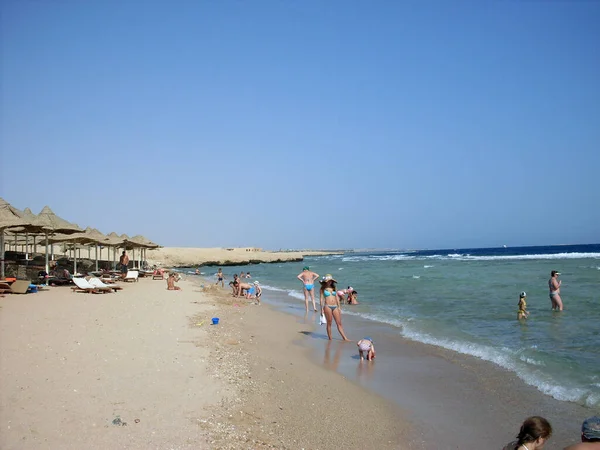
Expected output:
{"points": [[178, 257]]}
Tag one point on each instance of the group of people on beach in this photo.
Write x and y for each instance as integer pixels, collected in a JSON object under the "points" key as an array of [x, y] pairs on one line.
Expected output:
{"points": [[250, 291], [308, 279], [536, 430], [554, 288], [330, 305]]}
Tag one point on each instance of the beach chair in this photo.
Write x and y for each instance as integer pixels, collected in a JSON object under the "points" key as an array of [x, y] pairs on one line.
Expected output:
{"points": [[98, 283], [20, 287], [83, 285], [5, 288], [132, 275]]}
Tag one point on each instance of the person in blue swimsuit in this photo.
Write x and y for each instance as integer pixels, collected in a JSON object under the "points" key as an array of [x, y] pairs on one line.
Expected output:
{"points": [[308, 280], [330, 305]]}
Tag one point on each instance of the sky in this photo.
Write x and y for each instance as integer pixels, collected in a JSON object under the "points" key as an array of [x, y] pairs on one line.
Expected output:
{"points": [[306, 124]]}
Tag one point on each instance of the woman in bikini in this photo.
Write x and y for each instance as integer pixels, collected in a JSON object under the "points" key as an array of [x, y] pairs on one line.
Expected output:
{"points": [[330, 305], [554, 287], [308, 279]]}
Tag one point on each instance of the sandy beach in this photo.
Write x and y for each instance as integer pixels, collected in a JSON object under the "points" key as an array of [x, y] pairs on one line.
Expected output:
{"points": [[144, 368]]}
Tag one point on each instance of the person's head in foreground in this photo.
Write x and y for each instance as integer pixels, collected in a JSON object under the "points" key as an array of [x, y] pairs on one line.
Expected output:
{"points": [[554, 272], [590, 430], [523, 294], [534, 433], [305, 269]]}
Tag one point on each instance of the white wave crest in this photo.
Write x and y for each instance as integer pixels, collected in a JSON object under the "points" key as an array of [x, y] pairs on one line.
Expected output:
{"points": [[575, 255], [469, 257]]}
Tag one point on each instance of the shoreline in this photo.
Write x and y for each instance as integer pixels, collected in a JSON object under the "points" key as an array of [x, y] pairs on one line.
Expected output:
{"points": [[452, 397], [291, 401], [264, 377]]}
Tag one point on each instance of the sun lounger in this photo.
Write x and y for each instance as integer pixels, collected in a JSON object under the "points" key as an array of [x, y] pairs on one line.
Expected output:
{"points": [[5, 288], [83, 285], [97, 282], [132, 275], [20, 287], [54, 281]]}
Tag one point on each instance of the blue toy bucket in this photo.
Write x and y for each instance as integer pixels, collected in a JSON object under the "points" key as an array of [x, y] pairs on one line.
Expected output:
{"points": [[215, 321]]}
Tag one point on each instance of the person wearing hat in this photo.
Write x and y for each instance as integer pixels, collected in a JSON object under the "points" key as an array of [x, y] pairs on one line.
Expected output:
{"points": [[308, 279], [330, 305], [590, 435], [554, 286], [522, 313]]}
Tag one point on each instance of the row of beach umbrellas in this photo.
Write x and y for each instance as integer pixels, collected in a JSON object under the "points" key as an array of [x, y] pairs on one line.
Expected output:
{"points": [[15, 223]]}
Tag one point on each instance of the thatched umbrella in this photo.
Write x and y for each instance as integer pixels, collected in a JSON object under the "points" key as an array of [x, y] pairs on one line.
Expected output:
{"points": [[143, 244], [75, 238], [98, 239], [113, 240], [10, 217], [29, 215], [137, 242], [51, 223], [129, 245]]}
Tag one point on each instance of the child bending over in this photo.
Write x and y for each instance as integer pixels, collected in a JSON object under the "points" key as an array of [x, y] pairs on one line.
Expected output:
{"points": [[366, 348]]}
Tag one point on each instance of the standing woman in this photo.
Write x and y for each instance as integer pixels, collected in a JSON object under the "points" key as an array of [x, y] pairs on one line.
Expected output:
{"points": [[554, 287], [330, 305], [533, 435]]}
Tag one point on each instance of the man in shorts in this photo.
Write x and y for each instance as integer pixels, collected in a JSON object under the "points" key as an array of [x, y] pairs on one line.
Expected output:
{"points": [[123, 262]]}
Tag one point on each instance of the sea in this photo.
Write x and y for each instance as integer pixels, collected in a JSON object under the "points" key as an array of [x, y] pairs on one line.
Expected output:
{"points": [[465, 301]]}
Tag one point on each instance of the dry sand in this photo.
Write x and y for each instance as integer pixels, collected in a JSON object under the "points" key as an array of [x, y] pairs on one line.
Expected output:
{"points": [[190, 257], [74, 367]]}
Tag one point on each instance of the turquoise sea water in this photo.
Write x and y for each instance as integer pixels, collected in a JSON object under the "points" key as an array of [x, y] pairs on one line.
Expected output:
{"points": [[466, 301]]}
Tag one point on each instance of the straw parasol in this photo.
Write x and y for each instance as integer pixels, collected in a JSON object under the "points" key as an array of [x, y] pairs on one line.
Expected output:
{"points": [[144, 244], [113, 240], [51, 224], [75, 238], [98, 238], [137, 242], [10, 217], [130, 244]]}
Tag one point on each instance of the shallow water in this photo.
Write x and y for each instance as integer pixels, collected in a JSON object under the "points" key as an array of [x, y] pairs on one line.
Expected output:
{"points": [[466, 301]]}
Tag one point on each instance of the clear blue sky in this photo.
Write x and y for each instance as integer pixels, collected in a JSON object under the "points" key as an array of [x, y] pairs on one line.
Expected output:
{"points": [[306, 123]]}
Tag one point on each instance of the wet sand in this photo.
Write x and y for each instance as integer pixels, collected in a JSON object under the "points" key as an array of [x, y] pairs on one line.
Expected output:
{"points": [[454, 400]]}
